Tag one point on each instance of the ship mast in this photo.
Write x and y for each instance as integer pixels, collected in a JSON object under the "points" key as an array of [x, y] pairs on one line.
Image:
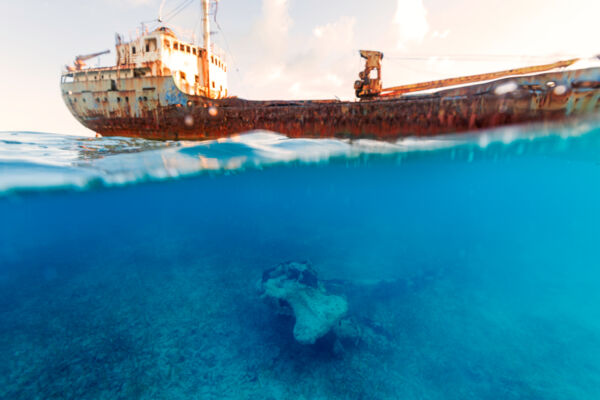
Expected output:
{"points": [[206, 61]]}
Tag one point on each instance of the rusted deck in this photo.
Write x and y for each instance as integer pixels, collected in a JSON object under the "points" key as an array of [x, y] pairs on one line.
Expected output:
{"points": [[155, 108]]}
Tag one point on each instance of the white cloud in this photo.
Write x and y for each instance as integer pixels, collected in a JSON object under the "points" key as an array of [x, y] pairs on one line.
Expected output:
{"points": [[441, 35], [274, 25], [325, 62], [335, 34], [411, 22], [314, 64]]}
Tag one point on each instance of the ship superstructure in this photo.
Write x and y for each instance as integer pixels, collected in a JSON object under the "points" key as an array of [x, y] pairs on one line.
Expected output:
{"points": [[133, 84], [195, 70]]}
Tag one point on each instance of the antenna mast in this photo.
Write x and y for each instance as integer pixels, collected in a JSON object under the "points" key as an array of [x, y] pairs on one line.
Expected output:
{"points": [[205, 21], [160, 10]]}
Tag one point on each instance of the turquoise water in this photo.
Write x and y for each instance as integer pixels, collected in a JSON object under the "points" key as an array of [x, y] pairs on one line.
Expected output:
{"points": [[129, 269]]}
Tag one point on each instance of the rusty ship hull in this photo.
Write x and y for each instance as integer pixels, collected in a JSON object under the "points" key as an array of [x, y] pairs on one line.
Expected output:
{"points": [[156, 108]]}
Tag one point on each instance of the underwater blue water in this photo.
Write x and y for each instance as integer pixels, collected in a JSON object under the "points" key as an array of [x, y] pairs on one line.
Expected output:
{"points": [[129, 269]]}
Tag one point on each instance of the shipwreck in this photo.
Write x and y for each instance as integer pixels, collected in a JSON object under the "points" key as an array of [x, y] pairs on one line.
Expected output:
{"points": [[168, 89]]}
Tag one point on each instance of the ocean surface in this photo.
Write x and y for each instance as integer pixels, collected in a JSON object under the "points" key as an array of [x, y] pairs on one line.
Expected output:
{"points": [[129, 269]]}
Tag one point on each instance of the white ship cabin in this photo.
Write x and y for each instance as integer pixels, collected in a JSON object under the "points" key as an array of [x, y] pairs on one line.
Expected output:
{"points": [[161, 53]]}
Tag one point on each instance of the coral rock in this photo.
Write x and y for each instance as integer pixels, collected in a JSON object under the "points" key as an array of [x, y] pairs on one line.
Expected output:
{"points": [[296, 285]]}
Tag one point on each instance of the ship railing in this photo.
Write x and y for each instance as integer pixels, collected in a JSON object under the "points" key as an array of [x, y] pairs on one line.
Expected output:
{"points": [[86, 74]]}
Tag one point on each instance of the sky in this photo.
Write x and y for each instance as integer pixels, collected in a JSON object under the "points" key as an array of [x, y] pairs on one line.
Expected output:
{"points": [[289, 49]]}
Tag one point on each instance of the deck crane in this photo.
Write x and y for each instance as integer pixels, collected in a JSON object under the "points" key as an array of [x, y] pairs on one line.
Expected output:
{"points": [[80, 60]]}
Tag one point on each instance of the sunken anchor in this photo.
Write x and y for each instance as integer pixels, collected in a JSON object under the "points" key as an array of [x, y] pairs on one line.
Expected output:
{"points": [[165, 88]]}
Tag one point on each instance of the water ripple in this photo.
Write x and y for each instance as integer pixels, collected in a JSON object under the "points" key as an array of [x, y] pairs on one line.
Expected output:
{"points": [[34, 161]]}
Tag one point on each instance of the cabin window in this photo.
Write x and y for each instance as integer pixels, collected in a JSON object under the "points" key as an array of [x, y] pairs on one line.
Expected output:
{"points": [[175, 46], [194, 51], [127, 99], [151, 45], [133, 50], [118, 99], [182, 75], [187, 49], [213, 85], [212, 59]]}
